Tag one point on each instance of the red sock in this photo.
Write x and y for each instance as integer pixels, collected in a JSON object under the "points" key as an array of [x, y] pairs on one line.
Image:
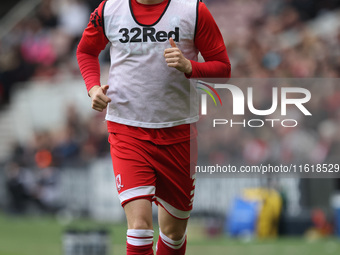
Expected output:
{"points": [[166, 246], [139, 242]]}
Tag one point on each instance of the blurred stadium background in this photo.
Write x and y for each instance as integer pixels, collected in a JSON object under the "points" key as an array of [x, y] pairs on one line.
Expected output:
{"points": [[55, 168]]}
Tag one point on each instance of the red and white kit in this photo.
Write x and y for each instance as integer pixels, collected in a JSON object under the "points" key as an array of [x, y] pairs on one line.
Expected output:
{"points": [[153, 107]]}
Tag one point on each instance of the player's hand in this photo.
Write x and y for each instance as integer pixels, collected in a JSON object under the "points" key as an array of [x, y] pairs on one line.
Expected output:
{"points": [[99, 98], [174, 58]]}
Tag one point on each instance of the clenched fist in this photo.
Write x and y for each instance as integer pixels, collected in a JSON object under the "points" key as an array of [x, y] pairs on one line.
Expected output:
{"points": [[99, 98], [174, 58]]}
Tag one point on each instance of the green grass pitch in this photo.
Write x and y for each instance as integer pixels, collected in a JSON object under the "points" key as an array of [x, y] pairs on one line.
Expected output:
{"points": [[43, 236]]}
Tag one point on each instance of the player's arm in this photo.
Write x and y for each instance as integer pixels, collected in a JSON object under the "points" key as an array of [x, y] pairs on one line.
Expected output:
{"points": [[91, 44], [209, 42]]}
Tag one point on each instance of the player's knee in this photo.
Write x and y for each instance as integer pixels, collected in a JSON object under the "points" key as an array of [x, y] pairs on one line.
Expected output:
{"points": [[174, 232], [175, 236], [141, 224]]}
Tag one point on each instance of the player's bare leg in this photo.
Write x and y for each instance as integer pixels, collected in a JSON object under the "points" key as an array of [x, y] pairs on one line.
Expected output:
{"points": [[172, 239], [140, 229], [139, 214]]}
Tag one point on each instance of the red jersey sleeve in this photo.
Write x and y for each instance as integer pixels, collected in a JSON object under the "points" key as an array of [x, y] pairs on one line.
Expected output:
{"points": [[209, 42], [93, 41]]}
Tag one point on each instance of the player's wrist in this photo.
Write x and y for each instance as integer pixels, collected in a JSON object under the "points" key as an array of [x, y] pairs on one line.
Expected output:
{"points": [[188, 69], [93, 90]]}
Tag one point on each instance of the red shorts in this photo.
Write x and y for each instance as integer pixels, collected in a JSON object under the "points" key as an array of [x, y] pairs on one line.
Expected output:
{"points": [[162, 173]]}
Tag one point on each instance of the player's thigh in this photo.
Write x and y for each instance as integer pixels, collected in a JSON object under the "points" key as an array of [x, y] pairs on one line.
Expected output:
{"points": [[139, 214], [170, 226], [135, 176], [175, 184]]}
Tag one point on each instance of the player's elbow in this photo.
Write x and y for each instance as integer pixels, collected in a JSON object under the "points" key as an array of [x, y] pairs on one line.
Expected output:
{"points": [[227, 70], [84, 48], [224, 73], [81, 53]]}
